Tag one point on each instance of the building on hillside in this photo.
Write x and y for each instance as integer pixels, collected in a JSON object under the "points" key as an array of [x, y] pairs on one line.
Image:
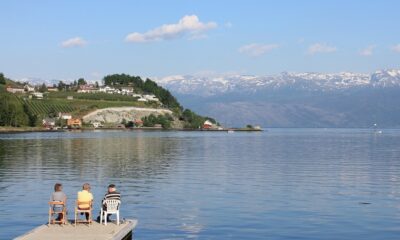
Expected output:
{"points": [[126, 90], [107, 89], [29, 88], [49, 123], [52, 89], [88, 88], [138, 123], [37, 95], [70, 97], [208, 124], [15, 89], [64, 116], [74, 123], [151, 97]]}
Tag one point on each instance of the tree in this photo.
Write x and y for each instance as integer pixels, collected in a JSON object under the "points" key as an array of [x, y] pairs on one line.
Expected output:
{"points": [[43, 88], [61, 85], [81, 81], [96, 84], [2, 79], [32, 118]]}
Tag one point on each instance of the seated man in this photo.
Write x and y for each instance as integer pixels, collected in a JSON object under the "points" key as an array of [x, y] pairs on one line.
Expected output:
{"points": [[111, 194], [58, 196], [85, 196]]}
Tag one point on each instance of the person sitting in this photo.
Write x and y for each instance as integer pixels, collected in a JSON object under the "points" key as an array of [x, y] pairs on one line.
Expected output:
{"points": [[110, 194], [58, 196], [85, 198]]}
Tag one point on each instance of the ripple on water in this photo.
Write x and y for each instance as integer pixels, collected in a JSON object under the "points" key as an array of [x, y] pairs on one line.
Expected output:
{"points": [[280, 184]]}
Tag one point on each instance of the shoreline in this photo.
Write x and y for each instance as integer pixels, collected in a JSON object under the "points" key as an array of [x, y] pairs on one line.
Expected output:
{"points": [[8, 130]]}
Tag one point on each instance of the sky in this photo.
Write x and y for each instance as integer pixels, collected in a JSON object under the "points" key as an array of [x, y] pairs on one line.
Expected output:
{"points": [[70, 39]]}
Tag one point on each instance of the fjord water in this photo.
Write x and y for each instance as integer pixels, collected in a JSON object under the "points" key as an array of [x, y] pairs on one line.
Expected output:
{"points": [[278, 184]]}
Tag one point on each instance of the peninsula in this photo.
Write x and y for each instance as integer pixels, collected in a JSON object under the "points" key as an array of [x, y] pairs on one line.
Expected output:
{"points": [[121, 101]]}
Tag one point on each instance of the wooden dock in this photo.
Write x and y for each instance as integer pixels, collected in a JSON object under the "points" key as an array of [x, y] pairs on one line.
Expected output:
{"points": [[82, 231]]}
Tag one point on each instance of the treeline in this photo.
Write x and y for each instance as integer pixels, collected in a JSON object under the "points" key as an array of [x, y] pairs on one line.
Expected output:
{"points": [[193, 120], [164, 120], [73, 86], [2, 79], [148, 86], [13, 113]]}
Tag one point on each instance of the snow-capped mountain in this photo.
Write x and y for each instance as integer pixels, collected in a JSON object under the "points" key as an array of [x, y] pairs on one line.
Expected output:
{"points": [[219, 84], [293, 99]]}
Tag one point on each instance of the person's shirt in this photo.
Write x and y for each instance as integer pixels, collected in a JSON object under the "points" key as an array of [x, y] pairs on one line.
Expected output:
{"points": [[112, 195], [58, 197], [84, 196]]}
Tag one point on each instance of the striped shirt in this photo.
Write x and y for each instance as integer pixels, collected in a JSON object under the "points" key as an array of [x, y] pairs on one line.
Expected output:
{"points": [[112, 195]]}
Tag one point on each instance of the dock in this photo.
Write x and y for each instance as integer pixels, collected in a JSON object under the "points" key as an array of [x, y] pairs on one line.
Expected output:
{"points": [[97, 231]]}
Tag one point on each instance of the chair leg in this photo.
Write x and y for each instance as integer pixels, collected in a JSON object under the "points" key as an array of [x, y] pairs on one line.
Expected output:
{"points": [[49, 215], [75, 217], [105, 218], [101, 215], [118, 218], [64, 216]]}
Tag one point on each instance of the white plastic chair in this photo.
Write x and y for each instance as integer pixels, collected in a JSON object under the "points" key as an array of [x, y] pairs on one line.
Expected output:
{"points": [[112, 207]]}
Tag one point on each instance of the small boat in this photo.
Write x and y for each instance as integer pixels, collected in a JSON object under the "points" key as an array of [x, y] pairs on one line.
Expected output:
{"points": [[376, 131]]}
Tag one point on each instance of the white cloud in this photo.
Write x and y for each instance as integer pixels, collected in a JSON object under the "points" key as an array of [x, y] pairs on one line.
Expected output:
{"points": [[321, 48], [73, 42], [256, 49], [396, 48], [368, 51], [189, 24]]}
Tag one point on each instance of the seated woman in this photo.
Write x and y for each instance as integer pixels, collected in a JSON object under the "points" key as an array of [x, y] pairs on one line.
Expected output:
{"points": [[58, 196], [85, 198]]}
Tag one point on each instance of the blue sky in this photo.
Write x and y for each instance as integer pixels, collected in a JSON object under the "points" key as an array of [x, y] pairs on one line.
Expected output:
{"points": [[72, 39]]}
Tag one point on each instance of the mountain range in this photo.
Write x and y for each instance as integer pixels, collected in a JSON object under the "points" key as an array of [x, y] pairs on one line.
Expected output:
{"points": [[288, 99]]}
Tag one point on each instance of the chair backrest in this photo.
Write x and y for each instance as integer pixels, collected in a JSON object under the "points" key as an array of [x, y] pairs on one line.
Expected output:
{"points": [[112, 204], [52, 203], [79, 204]]}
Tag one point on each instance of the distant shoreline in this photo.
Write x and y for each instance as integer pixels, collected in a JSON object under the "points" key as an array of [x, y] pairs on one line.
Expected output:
{"points": [[7, 130]]}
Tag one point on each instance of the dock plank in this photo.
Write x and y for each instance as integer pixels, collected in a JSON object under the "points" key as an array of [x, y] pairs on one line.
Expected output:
{"points": [[82, 231]]}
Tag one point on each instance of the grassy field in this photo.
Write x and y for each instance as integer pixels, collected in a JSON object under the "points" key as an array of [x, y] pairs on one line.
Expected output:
{"points": [[78, 107], [92, 96]]}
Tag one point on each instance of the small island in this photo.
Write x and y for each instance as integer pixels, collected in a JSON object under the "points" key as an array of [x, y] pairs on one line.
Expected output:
{"points": [[120, 102]]}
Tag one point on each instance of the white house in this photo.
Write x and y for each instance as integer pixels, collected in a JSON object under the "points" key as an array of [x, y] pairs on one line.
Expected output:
{"points": [[15, 89], [88, 88], [107, 89], [38, 95], [151, 97], [29, 88], [65, 116]]}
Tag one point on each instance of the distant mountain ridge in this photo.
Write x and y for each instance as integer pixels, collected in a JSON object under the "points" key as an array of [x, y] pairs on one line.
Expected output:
{"points": [[219, 84], [293, 99]]}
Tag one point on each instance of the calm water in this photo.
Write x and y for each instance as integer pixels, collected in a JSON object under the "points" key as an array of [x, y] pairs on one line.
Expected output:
{"points": [[280, 184]]}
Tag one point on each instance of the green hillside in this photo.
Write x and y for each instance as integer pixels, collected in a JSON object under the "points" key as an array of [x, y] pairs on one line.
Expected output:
{"points": [[21, 110], [12, 112]]}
